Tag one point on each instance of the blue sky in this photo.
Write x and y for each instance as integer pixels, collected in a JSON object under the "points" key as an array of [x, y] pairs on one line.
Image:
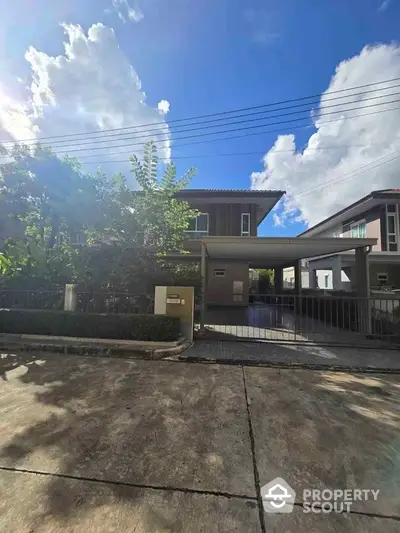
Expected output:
{"points": [[211, 56]]}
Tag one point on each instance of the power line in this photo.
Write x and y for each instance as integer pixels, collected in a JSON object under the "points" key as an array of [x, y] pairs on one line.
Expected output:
{"points": [[275, 130], [166, 126], [199, 128], [234, 129], [235, 154], [223, 113], [248, 134], [350, 175]]}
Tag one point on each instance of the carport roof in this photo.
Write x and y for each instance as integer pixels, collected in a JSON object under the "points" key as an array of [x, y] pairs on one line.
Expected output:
{"points": [[277, 251]]}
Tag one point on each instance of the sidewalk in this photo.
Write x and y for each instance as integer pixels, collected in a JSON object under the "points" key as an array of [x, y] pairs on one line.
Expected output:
{"points": [[97, 445]]}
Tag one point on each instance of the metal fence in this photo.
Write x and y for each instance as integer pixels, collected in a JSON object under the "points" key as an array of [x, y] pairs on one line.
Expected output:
{"points": [[87, 301], [32, 299], [114, 302], [339, 320]]}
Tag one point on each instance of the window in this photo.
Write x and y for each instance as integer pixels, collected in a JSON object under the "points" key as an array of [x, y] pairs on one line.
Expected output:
{"points": [[392, 227], [219, 273], [198, 227], [245, 227], [359, 230]]}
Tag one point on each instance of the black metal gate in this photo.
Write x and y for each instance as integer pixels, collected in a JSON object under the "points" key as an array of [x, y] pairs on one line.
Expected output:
{"points": [[305, 318]]}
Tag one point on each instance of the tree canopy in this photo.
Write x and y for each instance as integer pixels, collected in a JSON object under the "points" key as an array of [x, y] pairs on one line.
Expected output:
{"points": [[60, 207]]}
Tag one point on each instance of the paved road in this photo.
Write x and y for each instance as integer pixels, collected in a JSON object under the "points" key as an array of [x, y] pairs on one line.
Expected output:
{"points": [[98, 445]]}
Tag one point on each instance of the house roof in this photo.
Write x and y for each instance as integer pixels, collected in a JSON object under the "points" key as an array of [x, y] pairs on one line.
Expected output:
{"points": [[354, 209], [265, 199]]}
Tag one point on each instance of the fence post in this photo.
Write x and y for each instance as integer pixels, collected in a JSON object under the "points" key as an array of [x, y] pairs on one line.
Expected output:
{"points": [[364, 308], [71, 297]]}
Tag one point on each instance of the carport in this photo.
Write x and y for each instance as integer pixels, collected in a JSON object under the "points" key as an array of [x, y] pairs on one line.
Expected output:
{"points": [[278, 253]]}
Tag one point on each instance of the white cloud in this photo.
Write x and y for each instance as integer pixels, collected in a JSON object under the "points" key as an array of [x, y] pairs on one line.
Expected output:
{"points": [[91, 87], [384, 5], [309, 175], [163, 107], [126, 12], [277, 220]]}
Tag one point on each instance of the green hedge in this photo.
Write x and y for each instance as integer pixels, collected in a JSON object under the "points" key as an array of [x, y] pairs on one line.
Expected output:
{"points": [[95, 325]]}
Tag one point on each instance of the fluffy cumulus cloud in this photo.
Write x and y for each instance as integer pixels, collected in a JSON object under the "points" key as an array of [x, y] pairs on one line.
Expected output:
{"points": [[126, 12], [90, 87], [346, 157]]}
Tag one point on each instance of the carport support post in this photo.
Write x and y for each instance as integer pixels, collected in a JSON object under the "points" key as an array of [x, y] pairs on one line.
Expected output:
{"points": [[278, 280], [312, 277], [203, 268], [337, 273], [362, 280], [298, 304], [297, 276]]}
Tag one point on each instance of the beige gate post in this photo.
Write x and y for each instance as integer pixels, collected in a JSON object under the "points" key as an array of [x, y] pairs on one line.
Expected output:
{"points": [[179, 302]]}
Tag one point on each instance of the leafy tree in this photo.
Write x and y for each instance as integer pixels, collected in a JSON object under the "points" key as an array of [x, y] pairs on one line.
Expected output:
{"points": [[54, 200], [265, 279], [161, 215], [53, 197], [4, 263]]}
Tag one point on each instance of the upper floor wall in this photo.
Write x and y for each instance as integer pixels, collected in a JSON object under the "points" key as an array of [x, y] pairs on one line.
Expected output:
{"points": [[381, 222], [224, 219]]}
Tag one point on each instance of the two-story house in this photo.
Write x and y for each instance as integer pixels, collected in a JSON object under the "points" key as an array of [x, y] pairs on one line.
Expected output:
{"points": [[227, 213], [377, 215]]}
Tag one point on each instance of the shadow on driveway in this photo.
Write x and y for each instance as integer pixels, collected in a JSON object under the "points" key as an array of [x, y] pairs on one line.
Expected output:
{"points": [[179, 427]]}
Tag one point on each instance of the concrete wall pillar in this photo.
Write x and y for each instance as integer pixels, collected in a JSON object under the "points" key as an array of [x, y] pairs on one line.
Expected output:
{"points": [[160, 300], [70, 297], [278, 280], [337, 273]]}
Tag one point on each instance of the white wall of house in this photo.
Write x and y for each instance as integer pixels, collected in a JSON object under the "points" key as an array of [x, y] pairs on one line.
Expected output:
{"points": [[288, 278], [324, 279]]}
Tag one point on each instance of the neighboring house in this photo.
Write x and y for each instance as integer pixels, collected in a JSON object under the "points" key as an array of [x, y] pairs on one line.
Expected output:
{"points": [[289, 277], [377, 215], [227, 213], [324, 278]]}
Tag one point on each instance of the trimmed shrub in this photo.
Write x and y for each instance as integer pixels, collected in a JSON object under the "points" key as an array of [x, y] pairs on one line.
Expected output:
{"points": [[95, 325]]}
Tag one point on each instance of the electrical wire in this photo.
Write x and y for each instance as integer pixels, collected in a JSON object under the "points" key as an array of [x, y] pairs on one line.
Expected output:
{"points": [[223, 113], [207, 127], [234, 129], [350, 175]]}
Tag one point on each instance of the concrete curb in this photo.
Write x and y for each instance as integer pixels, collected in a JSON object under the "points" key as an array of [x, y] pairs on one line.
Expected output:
{"points": [[97, 348]]}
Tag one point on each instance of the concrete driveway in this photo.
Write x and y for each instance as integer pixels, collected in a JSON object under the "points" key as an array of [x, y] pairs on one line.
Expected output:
{"points": [[313, 355], [99, 445]]}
